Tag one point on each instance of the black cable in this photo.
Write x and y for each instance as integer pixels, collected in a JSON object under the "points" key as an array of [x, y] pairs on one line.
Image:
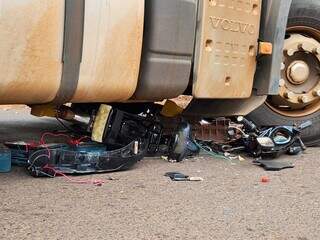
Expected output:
{"points": [[77, 132]]}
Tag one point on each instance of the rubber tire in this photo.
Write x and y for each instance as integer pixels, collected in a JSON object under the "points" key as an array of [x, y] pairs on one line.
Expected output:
{"points": [[302, 13]]}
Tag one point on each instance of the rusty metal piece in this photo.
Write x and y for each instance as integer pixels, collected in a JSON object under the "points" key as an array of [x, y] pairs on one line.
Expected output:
{"points": [[44, 110], [265, 48], [228, 60]]}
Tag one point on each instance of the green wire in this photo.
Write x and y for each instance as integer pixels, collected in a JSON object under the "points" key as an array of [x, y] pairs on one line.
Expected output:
{"points": [[211, 153]]}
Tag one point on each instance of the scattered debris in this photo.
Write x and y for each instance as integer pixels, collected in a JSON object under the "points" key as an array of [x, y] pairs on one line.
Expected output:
{"points": [[274, 165], [166, 158], [183, 144], [271, 142], [265, 179], [19, 153], [5, 159], [180, 177], [53, 172], [213, 130], [125, 137], [82, 159]]}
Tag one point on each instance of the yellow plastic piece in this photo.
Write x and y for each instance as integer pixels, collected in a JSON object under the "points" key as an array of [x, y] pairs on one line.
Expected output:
{"points": [[100, 123], [171, 109], [45, 110]]}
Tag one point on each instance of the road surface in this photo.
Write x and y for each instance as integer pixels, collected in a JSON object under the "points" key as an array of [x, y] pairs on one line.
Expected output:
{"points": [[231, 202]]}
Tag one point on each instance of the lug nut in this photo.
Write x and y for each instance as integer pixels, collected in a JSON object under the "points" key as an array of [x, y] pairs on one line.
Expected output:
{"points": [[316, 51], [282, 82], [299, 72], [283, 66], [316, 93], [303, 99], [289, 95], [290, 52]]}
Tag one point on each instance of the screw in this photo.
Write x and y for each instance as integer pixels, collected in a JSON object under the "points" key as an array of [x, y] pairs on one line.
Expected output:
{"points": [[212, 3]]}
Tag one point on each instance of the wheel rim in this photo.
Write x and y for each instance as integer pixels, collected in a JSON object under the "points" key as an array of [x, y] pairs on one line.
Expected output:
{"points": [[299, 93]]}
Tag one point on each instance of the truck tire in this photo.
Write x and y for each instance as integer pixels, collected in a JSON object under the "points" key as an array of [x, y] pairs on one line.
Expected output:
{"points": [[299, 96]]}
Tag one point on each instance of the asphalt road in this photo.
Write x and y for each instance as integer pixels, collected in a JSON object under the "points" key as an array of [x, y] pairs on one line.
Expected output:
{"points": [[231, 202]]}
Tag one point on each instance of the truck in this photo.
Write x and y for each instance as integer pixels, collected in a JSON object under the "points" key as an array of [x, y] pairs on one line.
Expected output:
{"points": [[255, 58]]}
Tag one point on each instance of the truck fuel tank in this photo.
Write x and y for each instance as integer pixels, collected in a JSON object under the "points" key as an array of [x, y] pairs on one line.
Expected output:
{"points": [[69, 50]]}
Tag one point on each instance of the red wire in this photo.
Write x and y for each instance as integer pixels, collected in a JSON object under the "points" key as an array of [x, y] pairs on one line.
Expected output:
{"points": [[53, 135], [31, 145], [42, 140], [78, 141], [96, 182]]}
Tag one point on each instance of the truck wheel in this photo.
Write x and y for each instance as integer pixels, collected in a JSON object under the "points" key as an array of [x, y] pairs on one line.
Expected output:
{"points": [[299, 96]]}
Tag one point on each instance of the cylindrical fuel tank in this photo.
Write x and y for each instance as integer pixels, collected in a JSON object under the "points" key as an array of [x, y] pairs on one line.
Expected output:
{"points": [[40, 64], [112, 46], [31, 43]]}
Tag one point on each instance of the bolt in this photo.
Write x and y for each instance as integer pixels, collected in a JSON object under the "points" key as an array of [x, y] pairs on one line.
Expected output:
{"points": [[282, 82], [283, 66], [316, 93], [289, 95], [212, 3], [303, 99]]}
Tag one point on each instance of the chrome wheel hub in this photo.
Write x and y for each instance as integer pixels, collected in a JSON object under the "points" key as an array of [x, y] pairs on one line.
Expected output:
{"points": [[298, 72]]}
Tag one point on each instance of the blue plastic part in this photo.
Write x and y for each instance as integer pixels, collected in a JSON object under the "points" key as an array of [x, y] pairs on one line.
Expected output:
{"points": [[5, 160]]}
